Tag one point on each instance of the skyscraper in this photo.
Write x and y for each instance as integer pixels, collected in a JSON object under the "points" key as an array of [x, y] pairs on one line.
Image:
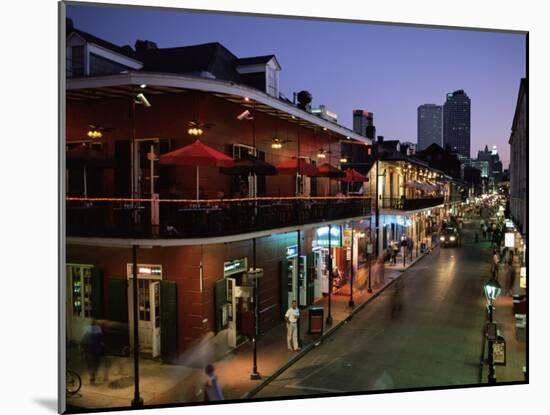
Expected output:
{"points": [[363, 123], [456, 123], [429, 126]]}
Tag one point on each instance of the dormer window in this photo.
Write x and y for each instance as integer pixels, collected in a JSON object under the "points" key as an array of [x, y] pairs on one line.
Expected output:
{"points": [[272, 81]]}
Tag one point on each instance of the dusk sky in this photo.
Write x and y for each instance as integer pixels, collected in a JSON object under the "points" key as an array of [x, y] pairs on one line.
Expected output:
{"points": [[388, 70]]}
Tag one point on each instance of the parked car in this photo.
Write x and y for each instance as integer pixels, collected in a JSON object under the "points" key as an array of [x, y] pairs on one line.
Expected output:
{"points": [[449, 237]]}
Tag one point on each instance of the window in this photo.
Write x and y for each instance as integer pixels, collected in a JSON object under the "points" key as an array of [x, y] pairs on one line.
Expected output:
{"points": [[144, 300], [81, 290], [77, 61], [272, 87]]}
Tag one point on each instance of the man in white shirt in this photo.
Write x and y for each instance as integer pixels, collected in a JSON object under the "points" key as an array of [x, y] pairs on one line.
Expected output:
{"points": [[292, 315]]}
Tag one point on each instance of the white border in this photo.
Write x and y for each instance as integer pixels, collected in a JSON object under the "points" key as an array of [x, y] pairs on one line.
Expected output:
{"points": [[29, 172]]}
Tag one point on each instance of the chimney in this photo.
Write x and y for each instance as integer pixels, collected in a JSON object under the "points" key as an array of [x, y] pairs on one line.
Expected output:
{"points": [[142, 45]]}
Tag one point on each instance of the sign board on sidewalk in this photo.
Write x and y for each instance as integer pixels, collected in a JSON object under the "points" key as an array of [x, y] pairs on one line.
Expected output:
{"points": [[499, 351], [509, 240]]}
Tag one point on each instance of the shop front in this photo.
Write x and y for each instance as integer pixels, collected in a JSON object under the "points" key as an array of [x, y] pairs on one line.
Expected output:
{"points": [[327, 246], [234, 302]]}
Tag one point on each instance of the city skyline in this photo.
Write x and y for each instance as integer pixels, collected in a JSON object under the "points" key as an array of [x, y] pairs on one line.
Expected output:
{"points": [[407, 66]]}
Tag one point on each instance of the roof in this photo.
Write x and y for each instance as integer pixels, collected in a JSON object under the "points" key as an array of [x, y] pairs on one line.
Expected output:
{"points": [[255, 60], [208, 57], [123, 50]]}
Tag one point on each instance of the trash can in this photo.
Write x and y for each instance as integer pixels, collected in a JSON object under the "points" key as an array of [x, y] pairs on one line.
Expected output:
{"points": [[316, 319]]}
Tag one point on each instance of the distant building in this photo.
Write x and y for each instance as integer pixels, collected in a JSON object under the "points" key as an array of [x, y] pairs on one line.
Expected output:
{"points": [[429, 125], [456, 123], [518, 161], [482, 166], [363, 123], [324, 113], [494, 165]]}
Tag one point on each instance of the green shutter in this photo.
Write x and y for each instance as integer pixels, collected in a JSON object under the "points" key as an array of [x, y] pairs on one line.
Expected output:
{"points": [[220, 300], [96, 281], [117, 295], [284, 287], [168, 321]]}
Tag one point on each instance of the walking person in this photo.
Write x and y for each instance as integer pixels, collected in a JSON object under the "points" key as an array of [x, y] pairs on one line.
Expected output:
{"points": [[92, 341], [292, 317], [212, 388], [495, 262]]}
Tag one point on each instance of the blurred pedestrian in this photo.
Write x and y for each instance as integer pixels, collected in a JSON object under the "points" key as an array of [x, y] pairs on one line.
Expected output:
{"points": [[212, 388], [94, 348], [495, 262], [292, 317]]}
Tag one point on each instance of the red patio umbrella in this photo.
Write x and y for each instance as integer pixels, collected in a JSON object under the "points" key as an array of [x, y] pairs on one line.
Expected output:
{"points": [[297, 166], [328, 170], [197, 154], [353, 175]]}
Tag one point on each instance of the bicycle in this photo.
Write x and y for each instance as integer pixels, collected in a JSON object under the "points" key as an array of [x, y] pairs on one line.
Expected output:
{"points": [[73, 382]]}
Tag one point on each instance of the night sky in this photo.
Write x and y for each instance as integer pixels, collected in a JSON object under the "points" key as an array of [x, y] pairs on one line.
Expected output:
{"points": [[387, 70]]}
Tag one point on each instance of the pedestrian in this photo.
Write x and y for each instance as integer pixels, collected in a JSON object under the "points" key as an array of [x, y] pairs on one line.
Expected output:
{"points": [[496, 260], [395, 251], [292, 316], [212, 388], [94, 347]]}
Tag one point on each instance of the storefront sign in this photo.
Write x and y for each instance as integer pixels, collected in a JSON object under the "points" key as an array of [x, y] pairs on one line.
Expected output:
{"points": [[523, 277], [509, 240], [145, 270], [234, 267], [335, 236], [347, 238], [291, 251]]}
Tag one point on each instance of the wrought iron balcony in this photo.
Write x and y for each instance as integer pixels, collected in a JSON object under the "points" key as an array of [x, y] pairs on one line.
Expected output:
{"points": [[410, 203], [124, 218]]}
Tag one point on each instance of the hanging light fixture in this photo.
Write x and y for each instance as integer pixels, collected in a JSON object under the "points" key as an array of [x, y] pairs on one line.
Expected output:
{"points": [[276, 143], [195, 131], [321, 154], [343, 159]]}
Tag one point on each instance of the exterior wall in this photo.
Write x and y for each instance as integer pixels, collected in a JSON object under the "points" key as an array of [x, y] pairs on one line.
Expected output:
{"points": [[518, 164], [168, 117]]}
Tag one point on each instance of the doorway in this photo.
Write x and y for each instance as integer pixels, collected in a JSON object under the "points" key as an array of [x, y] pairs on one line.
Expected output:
{"points": [[148, 298]]}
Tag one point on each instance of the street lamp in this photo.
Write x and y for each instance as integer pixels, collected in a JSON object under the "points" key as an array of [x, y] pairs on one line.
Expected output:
{"points": [[492, 290]]}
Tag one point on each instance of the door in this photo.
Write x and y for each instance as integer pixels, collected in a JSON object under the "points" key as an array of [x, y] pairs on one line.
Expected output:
{"points": [[302, 280], [83, 299], [318, 263], [148, 314], [232, 333], [291, 277]]}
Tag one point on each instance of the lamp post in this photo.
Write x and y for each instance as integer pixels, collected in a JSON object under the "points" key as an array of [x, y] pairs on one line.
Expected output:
{"points": [[139, 99], [256, 274], [492, 290], [137, 402]]}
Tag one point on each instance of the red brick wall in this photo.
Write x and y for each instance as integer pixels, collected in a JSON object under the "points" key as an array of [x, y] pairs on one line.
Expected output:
{"points": [[168, 118]]}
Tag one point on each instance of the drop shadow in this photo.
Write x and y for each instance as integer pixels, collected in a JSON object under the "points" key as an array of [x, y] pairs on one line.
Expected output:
{"points": [[48, 403]]}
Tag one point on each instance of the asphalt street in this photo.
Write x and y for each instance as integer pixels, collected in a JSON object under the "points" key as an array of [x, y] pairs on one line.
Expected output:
{"points": [[425, 330]]}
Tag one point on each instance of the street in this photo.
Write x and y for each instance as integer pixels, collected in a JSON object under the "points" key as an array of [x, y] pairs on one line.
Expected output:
{"points": [[423, 331]]}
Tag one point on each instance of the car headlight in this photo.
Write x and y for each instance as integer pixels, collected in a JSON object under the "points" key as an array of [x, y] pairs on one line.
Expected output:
{"points": [[452, 238], [442, 238]]}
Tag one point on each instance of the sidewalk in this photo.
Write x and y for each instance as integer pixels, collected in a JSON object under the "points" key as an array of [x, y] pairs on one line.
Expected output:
{"points": [[167, 384]]}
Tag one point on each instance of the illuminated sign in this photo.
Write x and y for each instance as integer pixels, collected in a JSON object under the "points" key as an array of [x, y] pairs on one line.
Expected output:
{"points": [[509, 240], [145, 270], [347, 238], [234, 267], [523, 277], [291, 251], [335, 236]]}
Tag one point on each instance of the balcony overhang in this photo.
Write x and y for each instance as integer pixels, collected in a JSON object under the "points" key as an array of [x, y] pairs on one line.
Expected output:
{"points": [[125, 85], [408, 212], [150, 242]]}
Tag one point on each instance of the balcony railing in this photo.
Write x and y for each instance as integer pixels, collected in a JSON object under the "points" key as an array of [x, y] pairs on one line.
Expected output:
{"points": [[410, 203], [124, 218]]}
